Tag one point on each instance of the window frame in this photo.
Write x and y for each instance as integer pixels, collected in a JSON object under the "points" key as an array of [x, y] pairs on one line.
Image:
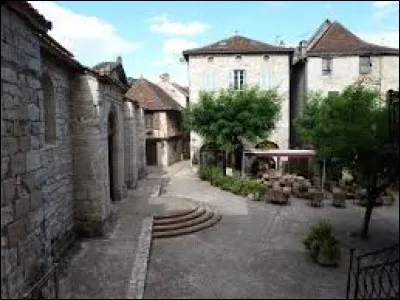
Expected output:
{"points": [[367, 66], [239, 79], [328, 67]]}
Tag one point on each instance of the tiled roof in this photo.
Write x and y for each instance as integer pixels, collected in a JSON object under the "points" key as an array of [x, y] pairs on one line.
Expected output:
{"points": [[30, 14], [237, 44], [337, 39], [184, 90], [151, 97]]}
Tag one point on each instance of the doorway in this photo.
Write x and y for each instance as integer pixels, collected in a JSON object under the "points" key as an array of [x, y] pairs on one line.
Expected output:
{"points": [[111, 131], [151, 152]]}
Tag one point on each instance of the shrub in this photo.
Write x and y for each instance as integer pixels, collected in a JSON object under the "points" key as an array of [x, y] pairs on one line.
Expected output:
{"points": [[320, 238], [236, 185]]}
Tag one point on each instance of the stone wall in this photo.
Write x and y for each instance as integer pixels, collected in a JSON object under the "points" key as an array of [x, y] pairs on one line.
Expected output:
{"points": [[222, 65], [130, 145], [345, 70], [36, 176]]}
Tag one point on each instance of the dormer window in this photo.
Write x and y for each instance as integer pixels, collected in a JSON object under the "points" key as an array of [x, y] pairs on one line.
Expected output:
{"points": [[210, 58]]}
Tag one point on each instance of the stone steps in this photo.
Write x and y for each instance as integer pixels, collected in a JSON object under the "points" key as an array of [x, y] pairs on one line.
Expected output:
{"points": [[178, 219], [176, 224], [175, 214]]}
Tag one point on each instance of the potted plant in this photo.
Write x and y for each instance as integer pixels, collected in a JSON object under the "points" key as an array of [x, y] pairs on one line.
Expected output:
{"points": [[322, 245]]}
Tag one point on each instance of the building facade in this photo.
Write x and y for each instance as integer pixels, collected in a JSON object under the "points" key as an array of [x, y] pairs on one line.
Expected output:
{"points": [[67, 135], [334, 58], [237, 62], [163, 123]]}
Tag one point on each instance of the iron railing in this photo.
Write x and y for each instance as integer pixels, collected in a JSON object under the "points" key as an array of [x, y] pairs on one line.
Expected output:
{"points": [[374, 275], [46, 287]]}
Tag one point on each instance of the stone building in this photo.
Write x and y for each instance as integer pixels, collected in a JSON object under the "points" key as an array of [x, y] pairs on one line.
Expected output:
{"points": [[235, 62], [71, 144], [163, 122], [333, 58], [180, 95]]}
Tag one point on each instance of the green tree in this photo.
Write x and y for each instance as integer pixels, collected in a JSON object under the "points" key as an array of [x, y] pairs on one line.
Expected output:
{"points": [[223, 117], [353, 127]]}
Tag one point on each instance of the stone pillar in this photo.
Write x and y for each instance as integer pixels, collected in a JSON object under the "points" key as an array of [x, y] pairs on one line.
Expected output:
{"points": [[90, 163], [141, 158], [129, 143]]}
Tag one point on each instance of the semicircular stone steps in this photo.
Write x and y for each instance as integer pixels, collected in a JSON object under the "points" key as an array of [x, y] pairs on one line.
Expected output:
{"points": [[180, 222]]}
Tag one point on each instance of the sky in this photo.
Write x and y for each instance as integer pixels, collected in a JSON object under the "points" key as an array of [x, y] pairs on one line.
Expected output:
{"points": [[150, 35]]}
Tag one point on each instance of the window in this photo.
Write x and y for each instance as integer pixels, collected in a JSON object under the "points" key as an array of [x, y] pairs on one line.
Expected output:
{"points": [[326, 66], [49, 106], [209, 81], [365, 64], [239, 79], [265, 57], [265, 79], [148, 118], [238, 57], [210, 59]]}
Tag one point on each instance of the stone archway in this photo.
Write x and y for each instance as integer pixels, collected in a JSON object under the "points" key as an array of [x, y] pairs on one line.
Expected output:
{"points": [[112, 153]]}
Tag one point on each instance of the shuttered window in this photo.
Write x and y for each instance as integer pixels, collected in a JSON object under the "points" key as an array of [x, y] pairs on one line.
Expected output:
{"points": [[209, 81], [265, 79]]}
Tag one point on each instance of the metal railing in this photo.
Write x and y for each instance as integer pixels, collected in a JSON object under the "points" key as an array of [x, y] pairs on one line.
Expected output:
{"points": [[374, 275], [37, 290]]}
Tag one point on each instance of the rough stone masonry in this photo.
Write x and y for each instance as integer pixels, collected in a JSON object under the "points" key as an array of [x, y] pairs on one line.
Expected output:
{"points": [[70, 145]]}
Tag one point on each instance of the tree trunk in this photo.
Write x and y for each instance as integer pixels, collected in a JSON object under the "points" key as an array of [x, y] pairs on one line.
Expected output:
{"points": [[367, 216], [224, 162]]}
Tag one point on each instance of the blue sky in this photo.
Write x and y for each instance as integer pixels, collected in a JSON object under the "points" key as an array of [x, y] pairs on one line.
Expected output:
{"points": [[150, 35]]}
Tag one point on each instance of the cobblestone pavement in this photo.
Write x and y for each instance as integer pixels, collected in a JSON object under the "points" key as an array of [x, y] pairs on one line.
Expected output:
{"points": [[256, 250]]}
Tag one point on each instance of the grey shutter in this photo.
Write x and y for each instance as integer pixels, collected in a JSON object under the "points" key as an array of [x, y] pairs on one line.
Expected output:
{"points": [[231, 83]]}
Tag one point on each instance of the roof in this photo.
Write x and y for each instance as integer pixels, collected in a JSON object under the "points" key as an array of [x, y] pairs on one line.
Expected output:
{"points": [[334, 38], [237, 44], [106, 69], [29, 15], [151, 97], [183, 89]]}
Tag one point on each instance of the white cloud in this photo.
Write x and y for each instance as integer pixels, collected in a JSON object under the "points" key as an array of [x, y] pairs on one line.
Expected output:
{"points": [[328, 6], [176, 46], [384, 9], [386, 38], [162, 24], [89, 38]]}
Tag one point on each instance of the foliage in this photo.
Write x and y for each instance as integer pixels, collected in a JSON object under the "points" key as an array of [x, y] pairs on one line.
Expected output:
{"points": [[352, 128], [224, 116], [236, 185], [320, 238]]}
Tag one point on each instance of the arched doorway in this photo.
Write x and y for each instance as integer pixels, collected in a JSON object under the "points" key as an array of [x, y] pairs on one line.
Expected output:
{"points": [[112, 144]]}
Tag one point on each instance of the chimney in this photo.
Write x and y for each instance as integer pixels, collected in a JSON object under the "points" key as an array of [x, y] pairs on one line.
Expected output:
{"points": [[164, 77], [119, 60]]}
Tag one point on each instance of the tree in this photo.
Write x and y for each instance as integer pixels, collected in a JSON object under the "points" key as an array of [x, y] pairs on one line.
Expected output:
{"points": [[223, 117], [353, 127]]}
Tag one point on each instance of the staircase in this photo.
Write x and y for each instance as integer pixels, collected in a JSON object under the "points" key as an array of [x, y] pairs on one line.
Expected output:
{"points": [[184, 221]]}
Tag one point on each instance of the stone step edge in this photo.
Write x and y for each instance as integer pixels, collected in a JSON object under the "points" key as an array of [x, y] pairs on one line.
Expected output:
{"points": [[175, 214], [188, 230], [195, 214], [188, 223]]}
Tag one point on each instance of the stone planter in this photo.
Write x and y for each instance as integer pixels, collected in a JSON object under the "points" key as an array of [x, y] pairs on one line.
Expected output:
{"points": [[281, 197]]}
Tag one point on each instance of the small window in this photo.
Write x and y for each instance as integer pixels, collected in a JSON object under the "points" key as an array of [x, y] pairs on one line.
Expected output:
{"points": [[149, 120], [209, 81], [326, 66], [238, 57], [266, 57], [210, 59], [333, 93], [365, 64], [239, 80]]}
